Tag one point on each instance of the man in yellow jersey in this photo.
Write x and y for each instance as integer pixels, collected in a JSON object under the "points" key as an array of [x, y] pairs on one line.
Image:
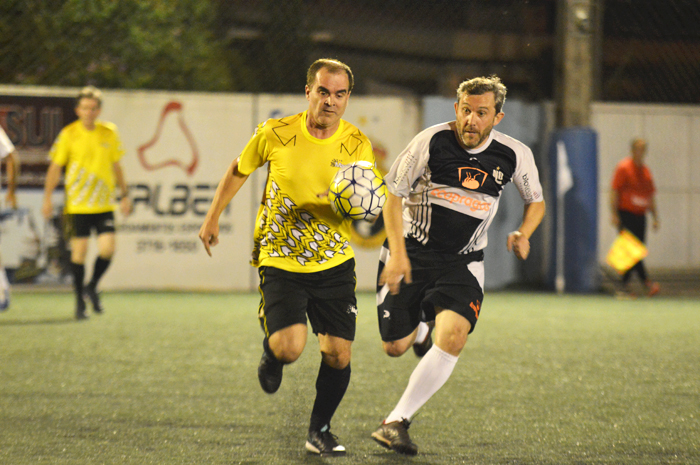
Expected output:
{"points": [[90, 151], [302, 250], [9, 155]]}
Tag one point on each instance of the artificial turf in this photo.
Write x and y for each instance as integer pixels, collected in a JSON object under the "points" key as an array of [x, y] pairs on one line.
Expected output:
{"points": [[170, 378]]}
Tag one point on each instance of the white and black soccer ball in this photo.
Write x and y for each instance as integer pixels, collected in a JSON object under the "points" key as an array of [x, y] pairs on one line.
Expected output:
{"points": [[358, 191]]}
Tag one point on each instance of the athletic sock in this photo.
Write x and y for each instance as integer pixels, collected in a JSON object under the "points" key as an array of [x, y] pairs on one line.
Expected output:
{"points": [[78, 270], [429, 376], [331, 385], [101, 265], [423, 331]]}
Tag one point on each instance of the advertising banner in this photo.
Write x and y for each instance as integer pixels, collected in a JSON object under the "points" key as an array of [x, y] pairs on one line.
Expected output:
{"points": [[177, 148]]}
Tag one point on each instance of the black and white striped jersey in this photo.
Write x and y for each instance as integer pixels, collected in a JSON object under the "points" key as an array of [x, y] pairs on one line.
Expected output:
{"points": [[450, 195]]}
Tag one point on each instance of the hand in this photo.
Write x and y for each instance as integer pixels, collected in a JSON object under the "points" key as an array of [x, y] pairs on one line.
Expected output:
{"points": [[396, 269], [209, 234], [518, 244], [47, 209], [11, 200], [125, 205]]}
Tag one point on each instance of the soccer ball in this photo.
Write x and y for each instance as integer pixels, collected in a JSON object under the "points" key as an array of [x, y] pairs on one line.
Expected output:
{"points": [[358, 191]]}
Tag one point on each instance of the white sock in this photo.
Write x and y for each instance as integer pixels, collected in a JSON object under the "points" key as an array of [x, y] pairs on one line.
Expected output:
{"points": [[430, 374], [423, 330]]}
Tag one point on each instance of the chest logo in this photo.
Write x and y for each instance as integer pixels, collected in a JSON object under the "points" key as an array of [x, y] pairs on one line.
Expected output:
{"points": [[472, 178], [498, 175]]}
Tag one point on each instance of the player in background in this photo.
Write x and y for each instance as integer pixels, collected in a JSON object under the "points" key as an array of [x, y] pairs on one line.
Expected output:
{"points": [[90, 151], [302, 249], [9, 155], [444, 190], [632, 196]]}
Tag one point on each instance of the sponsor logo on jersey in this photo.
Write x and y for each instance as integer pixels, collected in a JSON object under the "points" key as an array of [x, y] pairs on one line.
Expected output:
{"points": [[472, 178], [454, 197]]}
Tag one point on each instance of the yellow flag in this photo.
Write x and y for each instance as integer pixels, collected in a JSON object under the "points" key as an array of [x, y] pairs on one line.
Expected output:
{"points": [[625, 252]]}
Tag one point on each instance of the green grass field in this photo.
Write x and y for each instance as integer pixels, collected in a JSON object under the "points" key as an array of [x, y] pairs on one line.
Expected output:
{"points": [[170, 378]]}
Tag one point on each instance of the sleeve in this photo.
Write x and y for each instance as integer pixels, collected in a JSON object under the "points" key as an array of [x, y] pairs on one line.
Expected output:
{"points": [[618, 178], [59, 150], [409, 166], [526, 177], [255, 153], [6, 146]]}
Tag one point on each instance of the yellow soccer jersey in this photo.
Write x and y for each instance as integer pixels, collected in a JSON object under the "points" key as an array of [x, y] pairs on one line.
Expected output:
{"points": [[89, 158], [296, 230]]}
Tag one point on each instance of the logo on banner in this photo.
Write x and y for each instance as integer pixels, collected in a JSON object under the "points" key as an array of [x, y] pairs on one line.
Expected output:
{"points": [[188, 165], [472, 178]]}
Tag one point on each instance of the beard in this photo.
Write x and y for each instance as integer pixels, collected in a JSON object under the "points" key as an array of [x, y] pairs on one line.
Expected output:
{"points": [[469, 142]]}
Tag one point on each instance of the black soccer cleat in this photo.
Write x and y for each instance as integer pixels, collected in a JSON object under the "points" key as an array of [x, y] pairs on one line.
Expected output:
{"points": [[324, 443], [423, 348], [395, 436], [91, 293], [270, 373], [80, 309]]}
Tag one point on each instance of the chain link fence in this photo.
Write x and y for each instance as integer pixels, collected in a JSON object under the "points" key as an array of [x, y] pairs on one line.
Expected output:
{"points": [[645, 50]]}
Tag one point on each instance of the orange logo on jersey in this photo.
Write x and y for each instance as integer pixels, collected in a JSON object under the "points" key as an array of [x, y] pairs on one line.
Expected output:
{"points": [[472, 178], [476, 308]]}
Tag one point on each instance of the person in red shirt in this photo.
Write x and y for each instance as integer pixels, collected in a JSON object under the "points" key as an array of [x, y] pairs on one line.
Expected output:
{"points": [[632, 196]]}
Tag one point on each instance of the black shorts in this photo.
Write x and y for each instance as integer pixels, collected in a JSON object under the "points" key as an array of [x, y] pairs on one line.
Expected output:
{"points": [[82, 224], [327, 297], [448, 281]]}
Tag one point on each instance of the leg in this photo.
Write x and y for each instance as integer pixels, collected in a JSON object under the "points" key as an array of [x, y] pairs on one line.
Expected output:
{"points": [[4, 290], [451, 330], [78, 247], [105, 251], [332, 382], [282, 347]]}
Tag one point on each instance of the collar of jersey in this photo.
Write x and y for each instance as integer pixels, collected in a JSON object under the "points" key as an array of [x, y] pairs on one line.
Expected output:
{"points": [[485, 146], [316, 140]]}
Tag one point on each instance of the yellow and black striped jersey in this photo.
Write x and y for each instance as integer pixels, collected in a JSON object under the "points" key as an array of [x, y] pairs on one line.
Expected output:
{"points": [[89, 158], [296, 229]]}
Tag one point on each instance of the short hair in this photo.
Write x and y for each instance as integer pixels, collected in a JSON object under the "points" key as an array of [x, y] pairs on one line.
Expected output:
{"points": [[90, 92], [481, 85], [637, 140], [333, 66]]}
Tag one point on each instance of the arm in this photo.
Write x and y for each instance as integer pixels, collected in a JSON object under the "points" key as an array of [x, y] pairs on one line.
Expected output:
{"points": [[227, 189], [519, 241], [12, 161], [398, 265], [654, 216], [124, 202], [52, 177]]}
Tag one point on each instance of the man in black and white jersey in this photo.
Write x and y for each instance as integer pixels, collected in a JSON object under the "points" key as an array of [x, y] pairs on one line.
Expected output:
{"points": [[444, 190]]}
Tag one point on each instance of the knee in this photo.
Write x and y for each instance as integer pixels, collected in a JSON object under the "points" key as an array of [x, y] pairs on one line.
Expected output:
{"points": [[287, 351], [395, 348], [337, 359]]}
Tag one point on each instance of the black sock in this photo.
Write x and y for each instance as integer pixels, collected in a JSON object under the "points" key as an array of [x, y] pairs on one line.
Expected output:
{"points": [[101, 265], [331, 385], [78, 270]]}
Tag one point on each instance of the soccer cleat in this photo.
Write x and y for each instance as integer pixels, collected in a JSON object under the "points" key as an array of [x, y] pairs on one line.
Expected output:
{"points": [[395, 436], [91, 293], [80, 309], [423, 348], [324, 443], [270, 373], [652, 288]]}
